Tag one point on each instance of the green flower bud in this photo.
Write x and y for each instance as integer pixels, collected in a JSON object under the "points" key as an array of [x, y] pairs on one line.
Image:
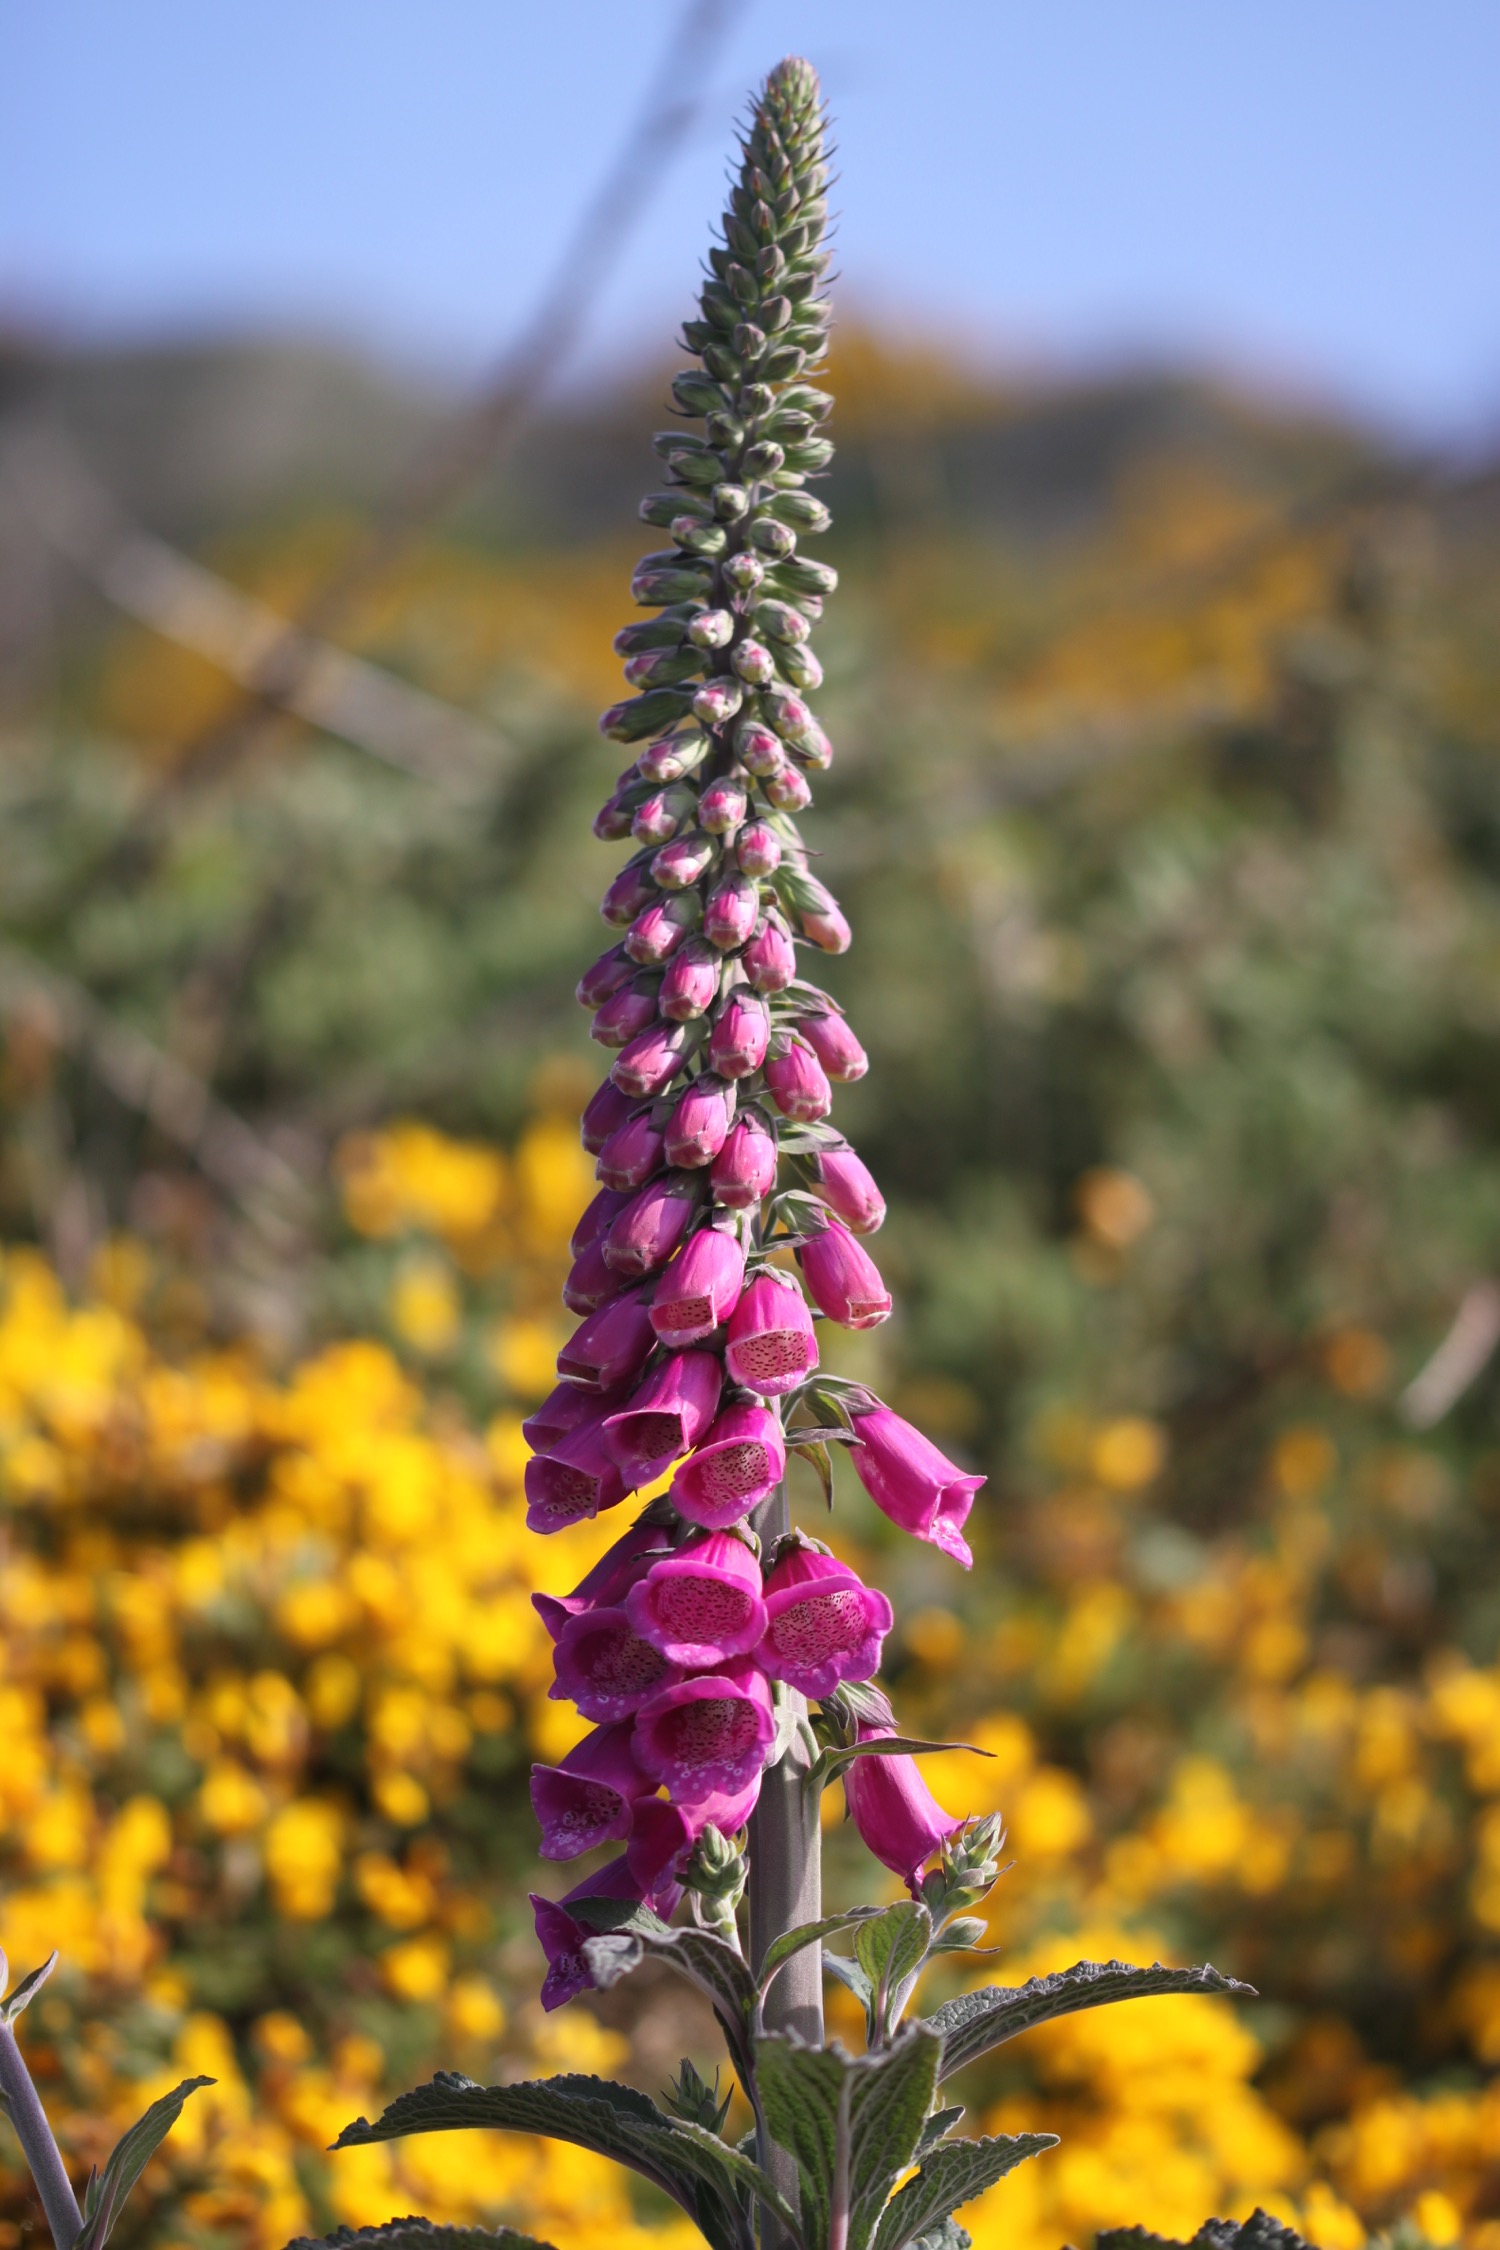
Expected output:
{"points": [[771, 538], [779, 619], [802, 575], [699, 538], [749, 341], [762, 457], [730, 502], [652, 632], [780, 365], [641, 715], [801, 668], [721, 361], [800, 508], [669, 759], [803, 399], [696, 395], [812, 454], [665, 507], [656, 584], [743, 572]]}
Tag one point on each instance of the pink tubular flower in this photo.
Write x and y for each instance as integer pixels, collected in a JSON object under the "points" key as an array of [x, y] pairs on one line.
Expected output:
{"points": [[606, 1584], [848, 1187], [651, 1060], [740, 1460], [897, 1816], [729, 916], [624, 1016], [575, 1480], [843, 1277], [651, 1225], [835, 1046], [562, 1411], [605, 1667], [771, 1345], [697, 1292], [759, 751], [591, 1281], [605, 1113], [707, 1734], [796, 1081], [609, 972], [788, 790], [586, 1800], [562, 1935], [911, 1482], [631, 1155], [660, 927], [721, 808], [663, 1834], [691, 984], [701, 1604], [745, 1168], [770, 958], [596, 1218], [610, 1345], [823, 1624], [665, 1418], [737, 1044], [699, 1125]]}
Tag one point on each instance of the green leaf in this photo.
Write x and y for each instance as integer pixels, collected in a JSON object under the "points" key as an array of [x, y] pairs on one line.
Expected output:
{"points": [[817, 1457], [27, 1990], [892, 1746], [695, 2168], [1259, 2232], [781, 1949], [851, 1976], [953, 2173], [106, 2192], [418, 2234], [851, 2122], [946, 2235], [975, 2022], [707, 1962], [941, 2122], [963, 1936], [891, 1950]]}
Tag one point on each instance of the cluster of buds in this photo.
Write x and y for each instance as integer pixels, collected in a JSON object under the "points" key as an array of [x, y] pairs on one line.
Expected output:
{"points": [[697, 1350]]}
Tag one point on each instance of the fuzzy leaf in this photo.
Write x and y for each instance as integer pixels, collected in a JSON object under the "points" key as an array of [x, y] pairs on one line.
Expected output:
{"points": [[106, 2192], [940, 2123], [851, 1976], [717, 1971], [781, 1949], [890, 1950], [953, 2173], [946, 2235], [1259, 2232], [852, 2123], [418, 2234], [695, 2168], [27, 1990], [975, 2022]]}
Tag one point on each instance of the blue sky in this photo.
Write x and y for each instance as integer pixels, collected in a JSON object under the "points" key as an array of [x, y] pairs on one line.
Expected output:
{"points": [[1309, 189]]}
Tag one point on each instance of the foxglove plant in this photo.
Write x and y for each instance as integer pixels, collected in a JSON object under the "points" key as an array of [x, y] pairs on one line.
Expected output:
{"points": [[726, 1660]]}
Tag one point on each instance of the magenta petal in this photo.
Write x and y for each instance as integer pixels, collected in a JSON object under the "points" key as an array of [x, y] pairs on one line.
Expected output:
{"points": [[586, 1800], [708, 1734], [701, 1604], [666, 1416], [574, 1481], [823, 1625], [912, 1483], [664, 1832], [844, 1279], [741, 1459], [770, 1346], [697, 1292], [610, 1345], [605, 1585], [897, 1816], [605, 1667]]}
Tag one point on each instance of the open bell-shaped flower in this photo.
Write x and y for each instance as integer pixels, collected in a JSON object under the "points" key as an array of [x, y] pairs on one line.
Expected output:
{"points": [[843, 1278], [770, 1345], [603, 1665], [702, 1603], [897, 1816], [613, 1574], [666, 1416], [823, 1624], [707, 1734], [739, 1461], [573, 1482], [699, 1289], [586, 1800], [562, 1936], [910, 1481]]}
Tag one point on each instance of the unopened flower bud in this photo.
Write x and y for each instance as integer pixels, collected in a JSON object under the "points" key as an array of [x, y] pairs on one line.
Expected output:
{"points": [[714, 628], [605, 1113], [680, 864], [743, 572], [773, 539], [625, 1013], [642, 715], [796, 1081], [651, 1225], [610, 1346], [848, 1187], [730, 502], [672, 757], [765, 457], [813, 747], [699, 1125], [663, 667], [660, 927], [691, 984], [758, 849], [722, 806], [741, 1032], [744, 1171], [612, 820], [595, 1222], [661, 815], [632, 1154], [788, 790], [750, 342], [718, 700], [759, 751], [753, 662], [835, 1046], [816, 909], [656, 584], [609, 972], [781, 621], [651, 1061], [770, 960], [699, 538], [631, 890], [803, 670], [730, 914]]}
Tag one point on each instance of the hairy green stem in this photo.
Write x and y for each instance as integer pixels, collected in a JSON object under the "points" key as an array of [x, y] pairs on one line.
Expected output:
{"points": [[24, 2108], [785, 1889]]}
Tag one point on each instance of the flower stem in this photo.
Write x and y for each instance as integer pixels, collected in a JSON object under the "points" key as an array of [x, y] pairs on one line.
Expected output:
{"points": [[24, 2108], [785, 1889]]}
